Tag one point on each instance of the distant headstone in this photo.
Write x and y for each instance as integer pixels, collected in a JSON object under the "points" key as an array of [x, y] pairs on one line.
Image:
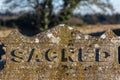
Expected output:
{"points": [[61, 53]]}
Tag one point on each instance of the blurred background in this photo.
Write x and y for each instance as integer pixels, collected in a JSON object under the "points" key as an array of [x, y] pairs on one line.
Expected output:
{"points": [[91, 16]]}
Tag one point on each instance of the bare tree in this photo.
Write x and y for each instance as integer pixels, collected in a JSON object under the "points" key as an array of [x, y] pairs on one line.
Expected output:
{"points": [[45, 11]]}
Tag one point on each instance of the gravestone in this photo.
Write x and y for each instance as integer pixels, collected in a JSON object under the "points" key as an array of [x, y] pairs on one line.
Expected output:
{"points": [[61, 53]]}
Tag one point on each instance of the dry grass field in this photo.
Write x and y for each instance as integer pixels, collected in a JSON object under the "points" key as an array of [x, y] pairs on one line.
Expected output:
{"points": [[97, 28]]}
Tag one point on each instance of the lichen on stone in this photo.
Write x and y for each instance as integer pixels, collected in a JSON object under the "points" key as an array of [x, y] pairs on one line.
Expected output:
{"points": [[61, 53]]}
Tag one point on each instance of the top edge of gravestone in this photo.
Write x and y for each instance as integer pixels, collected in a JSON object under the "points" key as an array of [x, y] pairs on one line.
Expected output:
{"points": [[109, 34], [59, 34]]}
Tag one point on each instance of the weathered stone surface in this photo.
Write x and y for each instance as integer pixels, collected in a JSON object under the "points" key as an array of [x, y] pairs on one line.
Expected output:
{"points": [[61, 53]]}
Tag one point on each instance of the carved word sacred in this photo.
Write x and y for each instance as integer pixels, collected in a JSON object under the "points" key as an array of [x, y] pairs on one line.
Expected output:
{"points": [[61, 53]]}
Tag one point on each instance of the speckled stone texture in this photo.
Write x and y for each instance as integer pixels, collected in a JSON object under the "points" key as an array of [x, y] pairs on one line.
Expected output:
{"points": [[61, 53]]}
